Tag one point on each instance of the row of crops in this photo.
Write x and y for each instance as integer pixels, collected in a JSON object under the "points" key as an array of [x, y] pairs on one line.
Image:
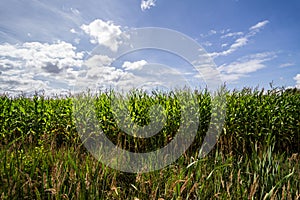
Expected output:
{"points": [[256, 156], [252, 116]]}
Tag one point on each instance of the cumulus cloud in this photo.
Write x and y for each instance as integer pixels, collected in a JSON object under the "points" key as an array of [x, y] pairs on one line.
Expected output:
{"points": [[134, 65], [99, 68], [297, 79], [105, 74], [245, 65], [101, 74], [104, 33], [98, 60], [39, 55], [58, 68], [147, 4], [29, 66]]}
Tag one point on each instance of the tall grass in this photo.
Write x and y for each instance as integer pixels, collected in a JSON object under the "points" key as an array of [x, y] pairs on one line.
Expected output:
{"points": [[256, 157]]}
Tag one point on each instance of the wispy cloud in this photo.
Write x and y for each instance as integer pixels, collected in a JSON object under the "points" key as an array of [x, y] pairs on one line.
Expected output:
{"points": [[238, 43], [242, 67], [75, 11], [233, 34], [207, 44], [241, 41], [147, 4], [214, 32], [289, 64], [259, 25], [104, 33], [224, 45]]}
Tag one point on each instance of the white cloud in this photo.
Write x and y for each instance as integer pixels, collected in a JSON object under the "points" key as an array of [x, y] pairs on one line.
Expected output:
{"points": [[75, 11], [241, 41], [207, 44], [232, 78], [37, 55], [234, 34], [213, 32], [131, 75], [99, 68], [155, 75], [134, 65], [286, 65], [100, 74], [29, 66], [245, 65], [259, 25], [224, 45], [147, 4], [104, 33], [76, 40], [104, 75], [297, 79], [98, 60], [57, 68], [73, 30]]}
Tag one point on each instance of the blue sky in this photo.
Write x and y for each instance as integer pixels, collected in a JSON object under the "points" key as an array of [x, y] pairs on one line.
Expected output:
{"points": [[46, 45]]}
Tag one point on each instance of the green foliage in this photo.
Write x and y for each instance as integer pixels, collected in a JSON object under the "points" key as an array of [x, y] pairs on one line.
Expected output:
{"points": [[256, 157]]}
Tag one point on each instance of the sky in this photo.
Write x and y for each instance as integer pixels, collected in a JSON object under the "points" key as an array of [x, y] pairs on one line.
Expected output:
{"points": [[58, 45]]}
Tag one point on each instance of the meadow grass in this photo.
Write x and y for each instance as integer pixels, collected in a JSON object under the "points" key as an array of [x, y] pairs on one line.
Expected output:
{"points": [[256, 156]]}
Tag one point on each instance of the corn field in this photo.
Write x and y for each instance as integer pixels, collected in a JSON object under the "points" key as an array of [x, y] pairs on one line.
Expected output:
{"points": [[256, 156]]}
